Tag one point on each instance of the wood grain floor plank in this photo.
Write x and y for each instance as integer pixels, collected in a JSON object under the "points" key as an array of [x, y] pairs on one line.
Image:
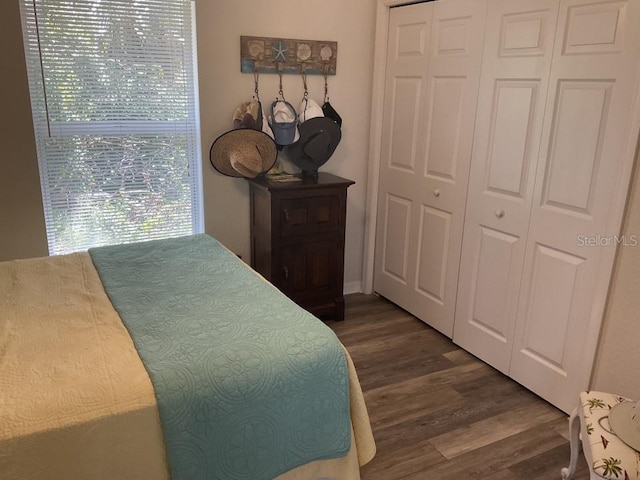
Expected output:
{"points": [[459, 357], [546, 464], [384, 331], [440, 413], [393, 367], [497, 397], [493, 429], [391, 406], [452, 376], [401, 462], [422, 341], [561, 425], [486, 462]]}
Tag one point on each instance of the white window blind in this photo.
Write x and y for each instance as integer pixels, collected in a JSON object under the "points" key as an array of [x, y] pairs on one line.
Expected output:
{"points": [[114, 100]]}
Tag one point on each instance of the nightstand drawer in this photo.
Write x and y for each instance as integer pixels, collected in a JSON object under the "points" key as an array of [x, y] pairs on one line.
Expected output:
{"points": [[310, 215]]}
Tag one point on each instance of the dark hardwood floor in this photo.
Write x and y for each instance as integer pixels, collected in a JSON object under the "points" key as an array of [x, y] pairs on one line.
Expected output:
{"points": [[440, 413]]}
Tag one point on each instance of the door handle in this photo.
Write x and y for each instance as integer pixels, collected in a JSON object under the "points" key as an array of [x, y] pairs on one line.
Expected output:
{"points": [[285, 270]]}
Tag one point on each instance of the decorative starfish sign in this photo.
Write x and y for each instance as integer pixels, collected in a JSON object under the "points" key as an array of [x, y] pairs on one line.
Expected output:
{"points": [[287, 55], [279, 51]]}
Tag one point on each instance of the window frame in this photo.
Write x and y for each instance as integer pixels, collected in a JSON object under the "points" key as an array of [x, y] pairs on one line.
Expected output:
{"points": [[113, 128]]}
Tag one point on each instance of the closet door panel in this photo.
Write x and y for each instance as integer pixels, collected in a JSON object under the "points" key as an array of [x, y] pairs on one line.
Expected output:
{"points": [[585, 135], [493, 279], [404, 123], [553, 286], [445, 122], [513, 87], [580, 122], [433, 253], [432, 174], [454, 75], [508, 156], [401, 162], [396, 238]]}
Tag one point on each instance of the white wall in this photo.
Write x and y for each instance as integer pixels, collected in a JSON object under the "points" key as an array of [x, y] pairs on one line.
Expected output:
{"points": [[617, 366], [22, 229], [220, 24]]}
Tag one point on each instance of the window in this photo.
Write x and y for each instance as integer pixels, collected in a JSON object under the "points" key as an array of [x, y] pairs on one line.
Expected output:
{"points": [[114, 100]]}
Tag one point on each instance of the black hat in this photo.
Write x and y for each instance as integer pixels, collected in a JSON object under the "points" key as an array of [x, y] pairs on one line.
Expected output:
{"points": [[319, 138], [331, 113]]}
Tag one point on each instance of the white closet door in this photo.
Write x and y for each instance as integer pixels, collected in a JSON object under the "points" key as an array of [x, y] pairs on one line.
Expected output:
{"points": [[401, 161], [585, 134], [513, 88], [433, 69]]}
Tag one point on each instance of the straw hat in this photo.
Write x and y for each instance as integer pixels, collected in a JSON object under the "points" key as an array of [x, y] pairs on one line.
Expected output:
{"points": [[243, 153]]}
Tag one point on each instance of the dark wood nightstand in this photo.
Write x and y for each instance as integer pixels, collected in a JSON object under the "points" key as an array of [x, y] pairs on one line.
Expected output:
{"points": [[297, 239]]}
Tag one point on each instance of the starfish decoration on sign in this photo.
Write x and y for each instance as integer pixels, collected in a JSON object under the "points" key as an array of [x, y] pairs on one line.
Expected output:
{"points": [[279, 51]]}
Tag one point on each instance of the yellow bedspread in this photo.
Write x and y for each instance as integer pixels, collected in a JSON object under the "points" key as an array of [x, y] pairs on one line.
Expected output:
{"points": [[75, 398]]}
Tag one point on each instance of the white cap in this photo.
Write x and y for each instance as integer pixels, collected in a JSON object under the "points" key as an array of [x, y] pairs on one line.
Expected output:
{"points": [[265, 125], [283, 115], [309, 109]]}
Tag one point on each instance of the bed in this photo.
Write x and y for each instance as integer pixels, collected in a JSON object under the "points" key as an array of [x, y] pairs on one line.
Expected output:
{"points": [[110, 368]]}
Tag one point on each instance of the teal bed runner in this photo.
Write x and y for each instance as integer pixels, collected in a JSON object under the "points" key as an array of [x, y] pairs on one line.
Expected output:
{"points": [[248, 384]]}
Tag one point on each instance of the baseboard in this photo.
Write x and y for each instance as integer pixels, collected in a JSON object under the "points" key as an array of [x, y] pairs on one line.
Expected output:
{"points": [[352, 287]]}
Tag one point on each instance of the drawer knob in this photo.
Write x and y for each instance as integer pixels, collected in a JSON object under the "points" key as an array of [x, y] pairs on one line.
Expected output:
{"points": [[436, 193], [499, 213]]}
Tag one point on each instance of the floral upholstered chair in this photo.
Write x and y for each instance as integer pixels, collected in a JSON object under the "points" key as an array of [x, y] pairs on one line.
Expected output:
{"points": [[607, 456]]}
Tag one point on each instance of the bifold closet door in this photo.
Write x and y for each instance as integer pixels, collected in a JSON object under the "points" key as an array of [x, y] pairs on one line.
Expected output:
{"points": [[585, 135], [513, 89], [433, 68]]}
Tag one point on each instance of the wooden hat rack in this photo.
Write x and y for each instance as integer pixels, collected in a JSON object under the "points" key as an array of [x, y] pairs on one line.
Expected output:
{"points": [[284, 55]]}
